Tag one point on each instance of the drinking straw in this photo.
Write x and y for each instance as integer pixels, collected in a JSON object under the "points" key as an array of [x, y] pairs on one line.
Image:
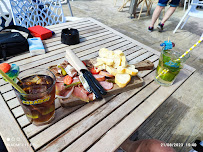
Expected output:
{"points": [[12, 82], [165, 71], [190, 49]]}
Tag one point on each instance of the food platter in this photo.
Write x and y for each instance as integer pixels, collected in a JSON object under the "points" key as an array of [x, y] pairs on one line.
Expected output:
{"points": [[135, 82]]}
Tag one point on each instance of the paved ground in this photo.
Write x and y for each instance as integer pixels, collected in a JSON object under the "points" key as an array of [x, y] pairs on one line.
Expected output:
{"points": [[180, 118]]}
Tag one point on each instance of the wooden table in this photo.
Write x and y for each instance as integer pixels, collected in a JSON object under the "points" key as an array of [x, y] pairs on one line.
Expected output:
{"points": [[97, 126]]}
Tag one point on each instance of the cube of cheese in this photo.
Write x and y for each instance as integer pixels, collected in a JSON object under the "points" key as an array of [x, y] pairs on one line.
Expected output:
{"points": [[124, 62]]}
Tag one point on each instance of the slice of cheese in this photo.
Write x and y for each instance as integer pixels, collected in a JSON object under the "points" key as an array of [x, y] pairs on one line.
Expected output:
{"points": [[131, 66], [119, 52], [131, 71], [110, 54], [101, 67], [117, 62], [103, 52], [124, 62], [122, 79], [120, 69], [106, 61], [111, 70], [98, 63]]}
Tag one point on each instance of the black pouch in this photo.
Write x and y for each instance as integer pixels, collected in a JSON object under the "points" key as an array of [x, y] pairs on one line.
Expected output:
{"points": [[13, 43]]}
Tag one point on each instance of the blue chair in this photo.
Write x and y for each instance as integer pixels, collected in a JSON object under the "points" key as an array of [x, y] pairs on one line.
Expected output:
{"points": [[30, 13]]}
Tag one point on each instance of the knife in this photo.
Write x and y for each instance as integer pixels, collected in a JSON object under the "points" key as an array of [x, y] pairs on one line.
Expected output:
{"points": [[94, 85]]}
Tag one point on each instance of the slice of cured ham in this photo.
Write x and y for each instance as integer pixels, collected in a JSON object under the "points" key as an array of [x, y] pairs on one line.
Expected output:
{"points": [[106, 85], [81, 93], [67, 93], [61, 90], [59, 79], [76, 79]]}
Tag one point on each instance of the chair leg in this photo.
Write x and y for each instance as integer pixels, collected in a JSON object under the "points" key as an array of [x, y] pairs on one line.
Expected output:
{"points": [[185, 4], [182, 19], [184, 22], [141, 9], [70, 8], [124, 4]]}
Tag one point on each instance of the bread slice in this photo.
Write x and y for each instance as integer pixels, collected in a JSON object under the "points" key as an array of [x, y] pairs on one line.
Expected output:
{"points": [[122, 79]]}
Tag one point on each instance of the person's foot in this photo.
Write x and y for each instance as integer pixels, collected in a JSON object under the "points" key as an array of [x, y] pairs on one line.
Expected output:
{"points": [[150, 29], [160, 27]]}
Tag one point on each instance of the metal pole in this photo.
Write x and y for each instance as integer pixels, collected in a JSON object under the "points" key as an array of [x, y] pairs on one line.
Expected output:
{"points": [[70, 8]]}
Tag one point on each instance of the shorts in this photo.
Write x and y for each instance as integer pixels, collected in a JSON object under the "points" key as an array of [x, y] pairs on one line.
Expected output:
{"points": [[173, 3]]}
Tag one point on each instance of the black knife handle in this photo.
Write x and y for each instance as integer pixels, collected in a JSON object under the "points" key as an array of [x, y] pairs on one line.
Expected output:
{"points": [[92, 86], [97, 84]]}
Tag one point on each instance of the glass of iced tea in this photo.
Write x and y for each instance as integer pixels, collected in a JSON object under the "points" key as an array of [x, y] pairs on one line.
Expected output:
{"points": [[39, 101]]}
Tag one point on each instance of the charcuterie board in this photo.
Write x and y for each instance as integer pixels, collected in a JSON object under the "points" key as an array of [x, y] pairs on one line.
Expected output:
{"points": [[135, 82]]}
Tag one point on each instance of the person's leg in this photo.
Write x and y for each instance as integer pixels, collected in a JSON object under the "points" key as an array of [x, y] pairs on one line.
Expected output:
{"points": [[148, 145], [156, 14], [169, 12]]}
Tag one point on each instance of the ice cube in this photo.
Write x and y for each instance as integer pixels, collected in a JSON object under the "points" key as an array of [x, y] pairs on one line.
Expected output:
{"points": [[37, 89], [33, 80]]}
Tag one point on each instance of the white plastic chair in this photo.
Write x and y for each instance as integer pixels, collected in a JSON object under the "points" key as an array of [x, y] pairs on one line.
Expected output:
{"points": [[192, 11], [29, 13], [5, 13], [185, 2]]}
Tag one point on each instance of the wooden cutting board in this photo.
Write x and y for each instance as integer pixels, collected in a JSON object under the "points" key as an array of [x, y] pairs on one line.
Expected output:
{"points": [[135, 82]]}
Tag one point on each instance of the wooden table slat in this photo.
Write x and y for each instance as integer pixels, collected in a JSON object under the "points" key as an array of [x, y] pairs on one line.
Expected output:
{"points": [[137, 117]]}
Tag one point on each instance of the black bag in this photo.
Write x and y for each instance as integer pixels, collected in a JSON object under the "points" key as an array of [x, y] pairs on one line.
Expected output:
{"points": [[13, 43]]}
